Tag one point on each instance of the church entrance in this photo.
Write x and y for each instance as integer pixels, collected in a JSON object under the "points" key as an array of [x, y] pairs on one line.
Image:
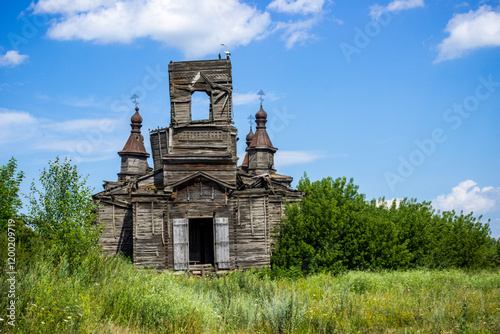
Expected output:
{"points": [[201, 241]]}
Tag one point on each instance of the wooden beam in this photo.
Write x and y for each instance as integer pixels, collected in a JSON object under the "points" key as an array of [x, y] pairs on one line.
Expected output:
{"points": [[265, 222], [239, 214], [152, 220], [162, 228], [114, 231], [134, 221], [251, 215]]}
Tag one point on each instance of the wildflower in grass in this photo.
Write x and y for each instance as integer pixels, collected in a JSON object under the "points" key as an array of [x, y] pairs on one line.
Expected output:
{"points": [[1, 319]]}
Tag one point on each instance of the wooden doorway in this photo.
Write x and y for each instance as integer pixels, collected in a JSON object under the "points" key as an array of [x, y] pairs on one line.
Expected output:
{"points": [[201, 241]]}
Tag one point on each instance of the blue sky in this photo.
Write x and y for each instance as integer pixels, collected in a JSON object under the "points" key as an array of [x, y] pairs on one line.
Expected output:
{"points": [[402, 95]]}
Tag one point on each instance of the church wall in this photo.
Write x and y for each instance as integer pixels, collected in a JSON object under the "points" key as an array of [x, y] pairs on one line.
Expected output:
{"points": [[159, 143], [225, 172], [149, 232], [252, 228], [199, 209], [117, 234]]}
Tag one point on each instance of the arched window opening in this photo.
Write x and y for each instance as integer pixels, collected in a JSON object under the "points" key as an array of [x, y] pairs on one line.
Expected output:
{"points": [[200, 106]]}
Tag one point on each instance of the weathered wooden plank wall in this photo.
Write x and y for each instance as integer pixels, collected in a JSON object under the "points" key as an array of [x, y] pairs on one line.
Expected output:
{"points": [[117, 234], [159, 144], [149, 239]]}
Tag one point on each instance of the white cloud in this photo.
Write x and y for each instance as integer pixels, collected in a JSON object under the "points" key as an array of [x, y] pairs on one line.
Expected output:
{"points": [[469, 198], [12, 58], [84, 139], [297, 6], [240, 99], [79, 125], [388, 202], [68, 6], [469, 31], [17, 126], [297, 32], [285, 158], [195, 27], [397, 5]]}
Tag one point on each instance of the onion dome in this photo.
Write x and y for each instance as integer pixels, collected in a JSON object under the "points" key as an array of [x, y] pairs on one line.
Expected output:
{"points": [[135, 142], [249, 137], [261, 138]]}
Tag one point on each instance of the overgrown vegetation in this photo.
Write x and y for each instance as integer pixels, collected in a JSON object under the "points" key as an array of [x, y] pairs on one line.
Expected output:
{"points": [[108, 295], [62, 290], [62, 211], [335, 229]]}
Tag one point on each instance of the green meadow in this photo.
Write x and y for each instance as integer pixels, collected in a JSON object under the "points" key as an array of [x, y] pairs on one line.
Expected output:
{"points": [[109, 295], [423, 271]]}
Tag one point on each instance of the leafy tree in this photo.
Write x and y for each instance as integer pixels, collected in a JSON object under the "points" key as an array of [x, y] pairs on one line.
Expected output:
{"points": [[63, 212], [460, 241], [334, 229], [10, 203], [26, 240]]}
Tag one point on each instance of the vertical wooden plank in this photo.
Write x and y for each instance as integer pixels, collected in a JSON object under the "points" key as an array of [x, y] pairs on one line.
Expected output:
{"points": [[239, 214], [265, 223], [114, 228], [170, 137], [162, 228], [134, 223], [181, 244], [222, 242], [152, 220], [251, 215]]}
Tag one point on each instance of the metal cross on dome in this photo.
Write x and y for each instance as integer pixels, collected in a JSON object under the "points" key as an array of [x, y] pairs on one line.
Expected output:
{"points": [[134, 99], [261, 96]]}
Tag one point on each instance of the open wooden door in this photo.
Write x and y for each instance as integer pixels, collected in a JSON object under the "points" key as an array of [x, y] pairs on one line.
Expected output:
{"points": [[222, 243], [181, 244]]}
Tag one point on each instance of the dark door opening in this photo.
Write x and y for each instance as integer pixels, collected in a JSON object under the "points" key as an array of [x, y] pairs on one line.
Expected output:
{"points": [[201, 241]]}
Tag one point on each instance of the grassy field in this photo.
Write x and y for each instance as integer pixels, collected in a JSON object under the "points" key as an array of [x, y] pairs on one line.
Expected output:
{"points": [[108, 295]]}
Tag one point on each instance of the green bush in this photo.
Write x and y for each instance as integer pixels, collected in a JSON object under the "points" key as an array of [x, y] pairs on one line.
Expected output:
{"points": [[335, 229], [63, 212]]}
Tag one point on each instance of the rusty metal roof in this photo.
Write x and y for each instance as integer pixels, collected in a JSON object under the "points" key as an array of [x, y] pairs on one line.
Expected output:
{"points": [[135, 142], [261, 138], [249, 138]]}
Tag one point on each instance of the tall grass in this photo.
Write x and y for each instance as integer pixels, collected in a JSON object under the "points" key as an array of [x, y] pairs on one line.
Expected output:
{"points": [[109, 295]]}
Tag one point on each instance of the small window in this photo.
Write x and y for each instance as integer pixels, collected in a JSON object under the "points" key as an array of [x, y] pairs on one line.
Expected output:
{"points": [[200, 106]]}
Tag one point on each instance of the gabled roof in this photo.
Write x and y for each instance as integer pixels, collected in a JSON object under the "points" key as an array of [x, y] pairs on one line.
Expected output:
{"points": [[204, 175]]}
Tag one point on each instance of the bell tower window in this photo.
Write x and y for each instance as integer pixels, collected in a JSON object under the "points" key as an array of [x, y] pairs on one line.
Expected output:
{"points": [[200, 106]]}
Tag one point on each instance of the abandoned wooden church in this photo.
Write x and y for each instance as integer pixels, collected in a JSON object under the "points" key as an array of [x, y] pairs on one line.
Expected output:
{"points": [[196, 206]]}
